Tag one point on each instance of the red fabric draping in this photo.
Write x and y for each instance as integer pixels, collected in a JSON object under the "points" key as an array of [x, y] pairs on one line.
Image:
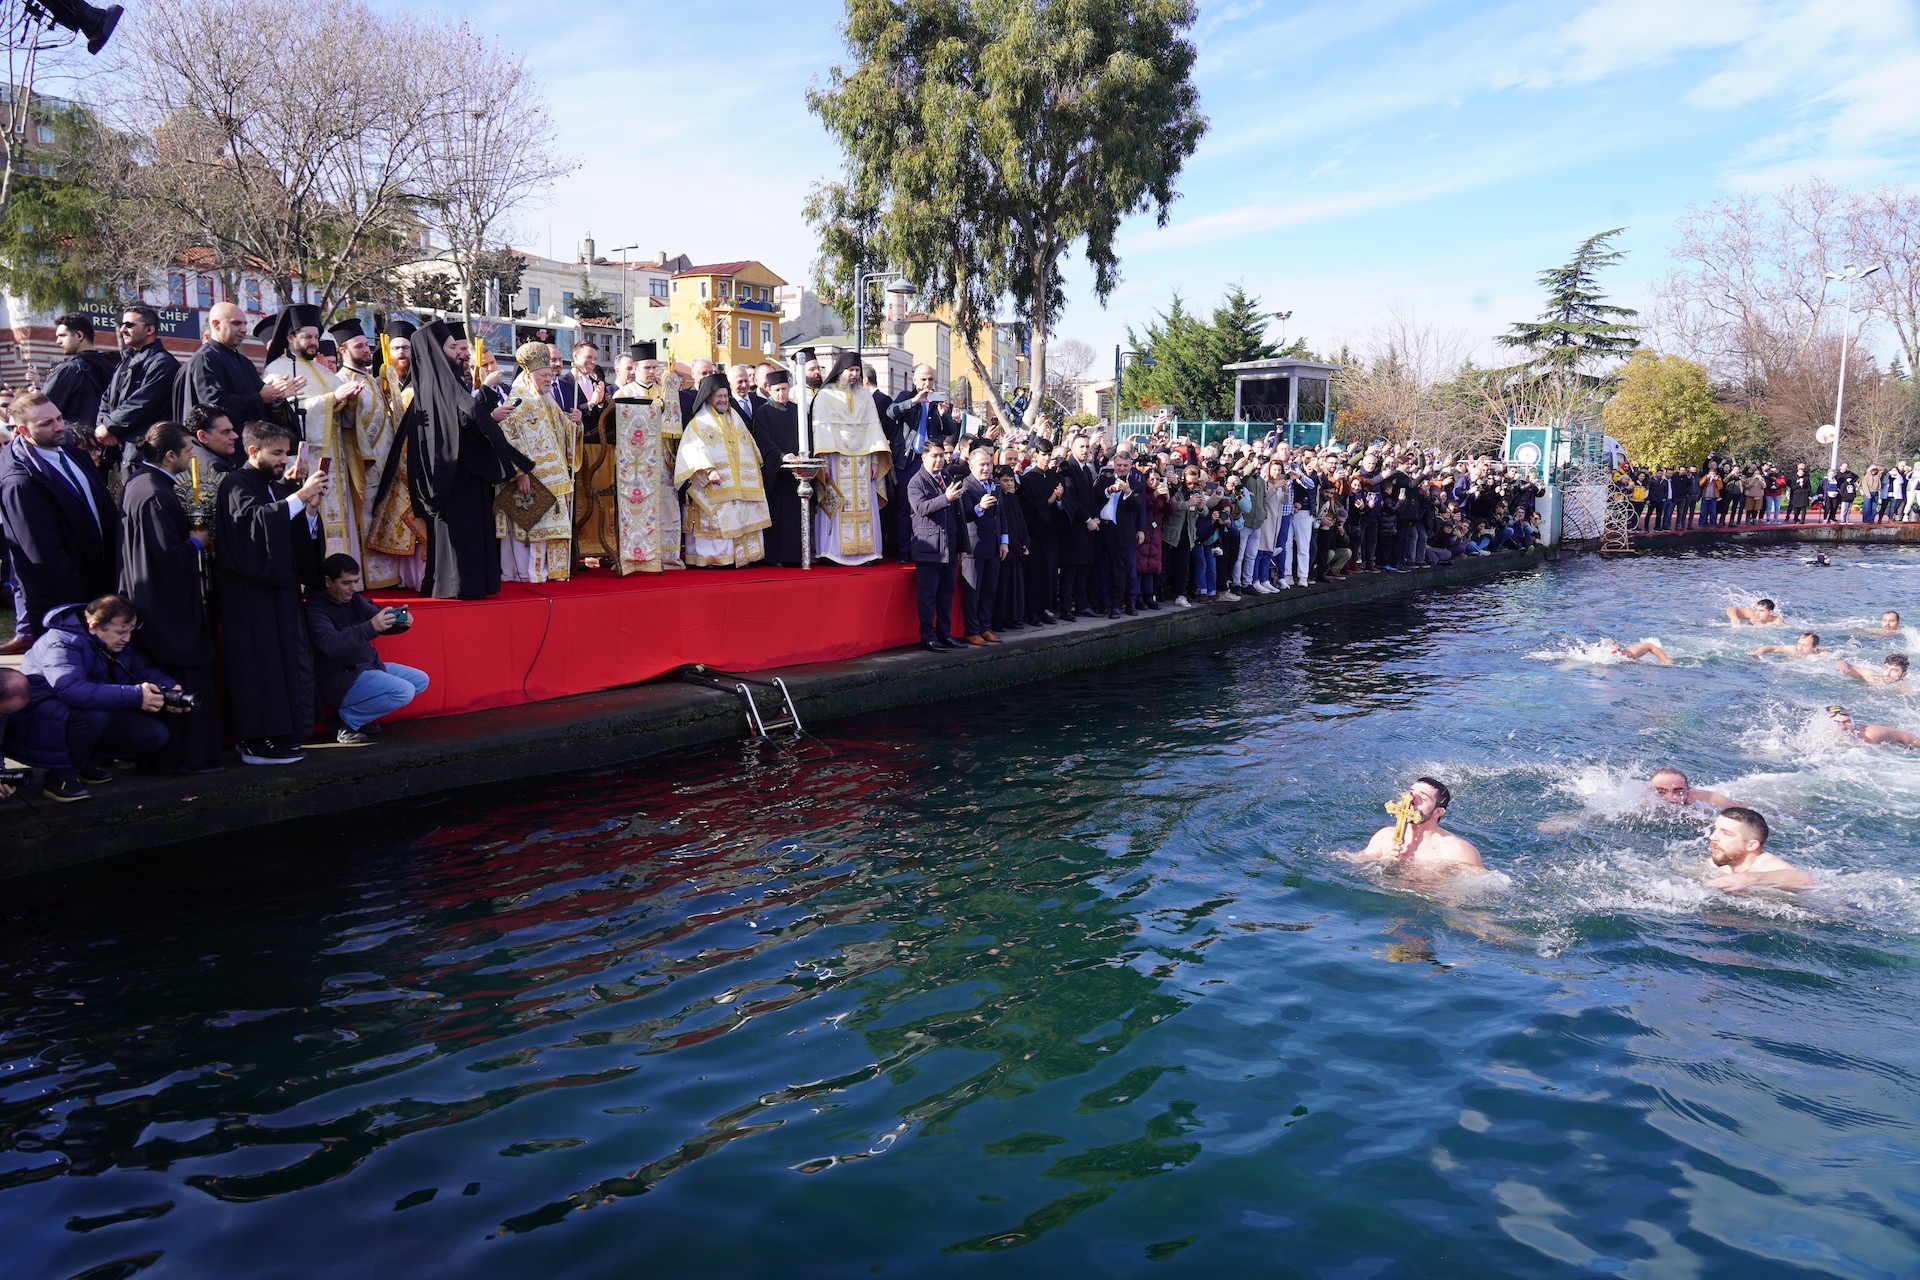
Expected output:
{"points": [[532, 643]]}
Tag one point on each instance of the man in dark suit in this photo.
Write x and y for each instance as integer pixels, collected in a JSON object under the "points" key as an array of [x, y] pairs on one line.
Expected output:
{"points": [[62, 525], [934, 543], [984, 543], [740, 387], [140, 393], [1080, 506], [1120, 537], [915, 419], [894, 529], [581, 389], [220, 375], [1040, 492]]}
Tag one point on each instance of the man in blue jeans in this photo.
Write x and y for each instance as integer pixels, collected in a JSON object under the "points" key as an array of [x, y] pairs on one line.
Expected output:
{"points": [[349, 675]]}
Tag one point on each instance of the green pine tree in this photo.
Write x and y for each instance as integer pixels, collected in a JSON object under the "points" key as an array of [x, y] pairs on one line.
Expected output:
{"points": [[1580, 330]]}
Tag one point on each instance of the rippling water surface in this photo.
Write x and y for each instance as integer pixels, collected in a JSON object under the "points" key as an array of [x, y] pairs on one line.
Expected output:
{"points": [[1069, 979]]}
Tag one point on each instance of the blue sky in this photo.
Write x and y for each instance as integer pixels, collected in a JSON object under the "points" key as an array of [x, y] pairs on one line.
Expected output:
{"points": [[1365, 157]]}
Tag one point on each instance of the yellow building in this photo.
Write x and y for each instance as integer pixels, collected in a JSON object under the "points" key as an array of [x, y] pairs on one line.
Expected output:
{"points": [[724, 312]]}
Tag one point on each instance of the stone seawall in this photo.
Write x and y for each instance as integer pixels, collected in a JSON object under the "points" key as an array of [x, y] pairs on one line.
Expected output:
{"points": [[422, 758]]}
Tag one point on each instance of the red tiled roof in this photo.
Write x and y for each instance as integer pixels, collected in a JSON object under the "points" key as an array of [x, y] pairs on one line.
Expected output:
{"points": [[717, 269]]}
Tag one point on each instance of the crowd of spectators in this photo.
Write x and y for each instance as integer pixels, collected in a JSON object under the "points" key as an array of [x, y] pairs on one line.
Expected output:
{"points": [[1724, 493]]}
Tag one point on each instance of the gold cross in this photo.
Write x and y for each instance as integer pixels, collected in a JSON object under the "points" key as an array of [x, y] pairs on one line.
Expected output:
{"points": [[1404, 816]]}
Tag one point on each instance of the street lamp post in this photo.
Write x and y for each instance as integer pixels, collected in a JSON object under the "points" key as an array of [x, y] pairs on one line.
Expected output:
{"points": [[861, 280], [626, 296], [1848, 274]]}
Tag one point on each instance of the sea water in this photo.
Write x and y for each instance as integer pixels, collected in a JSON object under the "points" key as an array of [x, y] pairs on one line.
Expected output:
{"points": [[1071, 978]]}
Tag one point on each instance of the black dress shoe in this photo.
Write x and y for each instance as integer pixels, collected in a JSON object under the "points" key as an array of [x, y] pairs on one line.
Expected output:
{"points": [[200, 770], [1130, 611], [948, 642], [933, 646], [1047, 615]]}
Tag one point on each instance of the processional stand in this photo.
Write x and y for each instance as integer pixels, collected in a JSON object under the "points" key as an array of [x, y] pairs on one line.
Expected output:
{"points": [[804, 466]]}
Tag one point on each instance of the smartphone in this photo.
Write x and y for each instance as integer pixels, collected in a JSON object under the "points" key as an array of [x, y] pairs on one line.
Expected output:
{"points": [[936, 397], [300, 457], [326, 464]]}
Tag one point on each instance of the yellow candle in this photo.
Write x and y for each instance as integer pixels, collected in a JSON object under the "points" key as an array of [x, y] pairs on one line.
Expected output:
{"points": [[196, 478]]}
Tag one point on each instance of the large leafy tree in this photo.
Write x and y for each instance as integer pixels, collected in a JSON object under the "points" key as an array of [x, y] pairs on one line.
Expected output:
{"points": [[984, 139], [1580, 330], [1664, 412], [68, 231]]}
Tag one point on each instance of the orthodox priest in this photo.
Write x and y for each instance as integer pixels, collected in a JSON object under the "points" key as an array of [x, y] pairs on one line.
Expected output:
{"points": [[776, 433], [539, 429], [327, 407], [160, 573], [720, 467], [373, 422], [219, 375], [456, 457], [396, 537], [643, 506], [848, 438], [267, 541]]}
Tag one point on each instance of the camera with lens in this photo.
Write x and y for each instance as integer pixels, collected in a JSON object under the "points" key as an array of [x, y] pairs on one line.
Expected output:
{"points": [[402, 618], [178, 699], [15, 778]]}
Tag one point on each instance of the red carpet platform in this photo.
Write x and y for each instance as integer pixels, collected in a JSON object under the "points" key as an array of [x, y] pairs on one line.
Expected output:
{"points": [[532, 643]]}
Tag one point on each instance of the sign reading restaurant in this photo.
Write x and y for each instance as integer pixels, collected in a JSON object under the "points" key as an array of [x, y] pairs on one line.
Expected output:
{"points": [[175, 322]]}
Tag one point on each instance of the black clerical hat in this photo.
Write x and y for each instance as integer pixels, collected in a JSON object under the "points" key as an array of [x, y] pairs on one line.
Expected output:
{"points": [[289, 321], [708, 385], [330, 348], [644, 350], [841, 363], [456, 328], [401, 329], [264, 325], [779, 378], [347, 330]]}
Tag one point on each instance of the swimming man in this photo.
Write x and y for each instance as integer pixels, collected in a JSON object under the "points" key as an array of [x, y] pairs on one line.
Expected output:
{"points": [[1671, 787], [1738, 844], [1426, 846], [1635, 651], [1893, 670], [1873, 733], [1889, 624], [1807, 646], [1760, 615]]}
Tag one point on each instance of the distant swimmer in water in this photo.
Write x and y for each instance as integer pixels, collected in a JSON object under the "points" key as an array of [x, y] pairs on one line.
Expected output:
{"points": [[1876, 734], [1893, 671], [1738, 844], [1822, 560], [1807, 646], [1670, 786], [1889, 624], [1423, 845], [1635, 651], [1760, 615]]}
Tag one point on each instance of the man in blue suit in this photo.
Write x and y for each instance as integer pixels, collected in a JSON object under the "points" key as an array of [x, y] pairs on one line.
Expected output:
{"points": [[933, 542], [63, 527], [911, 422], [984, 543]]}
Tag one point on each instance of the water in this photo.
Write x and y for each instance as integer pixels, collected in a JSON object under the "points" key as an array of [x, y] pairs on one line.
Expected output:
{"points": [[1069, 979]]}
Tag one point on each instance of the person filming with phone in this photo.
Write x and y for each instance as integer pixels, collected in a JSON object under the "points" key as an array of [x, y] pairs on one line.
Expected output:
{"points": [[348, 674], [85, 671]]}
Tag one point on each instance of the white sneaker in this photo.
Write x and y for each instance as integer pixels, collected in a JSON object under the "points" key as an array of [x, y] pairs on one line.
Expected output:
{"points": [[1183, 602], [1229, 594]]}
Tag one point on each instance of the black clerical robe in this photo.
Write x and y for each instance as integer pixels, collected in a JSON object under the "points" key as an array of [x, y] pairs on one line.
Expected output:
{"points": [[776, 430], [463, 555], [160, 574], [219, 375], [263, 551]]}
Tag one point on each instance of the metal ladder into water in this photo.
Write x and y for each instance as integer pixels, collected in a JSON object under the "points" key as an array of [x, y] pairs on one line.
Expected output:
{"points": [[732, 682]]}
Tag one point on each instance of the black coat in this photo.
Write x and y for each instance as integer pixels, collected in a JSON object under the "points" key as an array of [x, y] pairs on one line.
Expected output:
{"points": [[264, 553], [342, 634], [76, 384], [160, 570], [140, 392], [1079, 504], [64, 552], [1042, 514], [219, 375]]}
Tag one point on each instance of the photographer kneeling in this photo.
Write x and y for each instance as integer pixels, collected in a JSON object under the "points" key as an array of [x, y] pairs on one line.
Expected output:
{"points": [[84, 671], [347, 672]]}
